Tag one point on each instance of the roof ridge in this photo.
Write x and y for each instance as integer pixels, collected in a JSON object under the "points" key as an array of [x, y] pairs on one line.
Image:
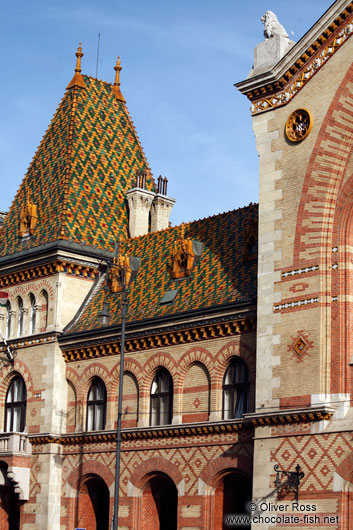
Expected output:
{"points": [[188, 223], [99, 80], [22, 185], [68, 165], [138, 142], [111, 85]]}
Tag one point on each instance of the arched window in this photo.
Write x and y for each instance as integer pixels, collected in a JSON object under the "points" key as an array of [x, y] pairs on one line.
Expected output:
{"points": [[43, 305], [235, 389], [33, 312], [162, 398], [20, 316], [8, 319], [15, 406], [96, 406]]}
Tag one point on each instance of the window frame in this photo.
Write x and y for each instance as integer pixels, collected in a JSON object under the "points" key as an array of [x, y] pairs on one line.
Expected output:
{"points": [[156, 412], [9, 319], [33, 316], [20, 316], [95, 405], [10, 406], [238, 391]]}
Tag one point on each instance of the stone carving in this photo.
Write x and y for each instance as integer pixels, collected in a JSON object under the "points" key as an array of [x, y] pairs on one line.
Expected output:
{"points": [[272, 26], [273, 48]]}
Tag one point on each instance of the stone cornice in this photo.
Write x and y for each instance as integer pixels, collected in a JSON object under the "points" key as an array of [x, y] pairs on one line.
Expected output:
{"points": [[30, 340], [67, 266], [148, 433], [290, 416], [170, 336], [187, 430], [278, 86]]}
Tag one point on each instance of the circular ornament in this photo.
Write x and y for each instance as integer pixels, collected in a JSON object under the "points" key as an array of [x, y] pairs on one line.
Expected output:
{"points": [[299, 125]]}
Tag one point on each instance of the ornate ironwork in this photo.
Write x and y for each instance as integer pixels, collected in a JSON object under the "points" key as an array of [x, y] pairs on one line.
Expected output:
{"points": [[290, 484]]}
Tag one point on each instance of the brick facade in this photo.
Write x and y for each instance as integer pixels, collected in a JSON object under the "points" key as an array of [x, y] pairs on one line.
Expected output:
{"points": [[297, 389]]}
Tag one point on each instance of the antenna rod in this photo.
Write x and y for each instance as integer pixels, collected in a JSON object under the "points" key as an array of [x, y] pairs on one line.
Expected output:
{"points": [[99, 39]]}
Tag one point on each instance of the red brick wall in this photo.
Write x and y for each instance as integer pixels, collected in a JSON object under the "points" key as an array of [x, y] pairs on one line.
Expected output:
{"points": [[86, 512], [150, 517]]}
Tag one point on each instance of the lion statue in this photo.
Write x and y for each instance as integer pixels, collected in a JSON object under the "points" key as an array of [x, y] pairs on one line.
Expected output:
{"points": [[272, 26]]}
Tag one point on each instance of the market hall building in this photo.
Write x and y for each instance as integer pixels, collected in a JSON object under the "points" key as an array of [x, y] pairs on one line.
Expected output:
{"points": [[238, 350]]}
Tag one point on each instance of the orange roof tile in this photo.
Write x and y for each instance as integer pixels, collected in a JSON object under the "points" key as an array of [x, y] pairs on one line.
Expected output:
{"points": [[80, 173]]}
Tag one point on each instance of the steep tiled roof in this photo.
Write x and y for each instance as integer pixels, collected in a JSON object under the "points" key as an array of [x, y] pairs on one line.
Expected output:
{"points": [[222, 275], [80, 173]]}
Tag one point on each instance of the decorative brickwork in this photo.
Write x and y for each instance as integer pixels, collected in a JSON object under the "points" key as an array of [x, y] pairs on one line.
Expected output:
{"points": [[318, 456], [301, 345]]}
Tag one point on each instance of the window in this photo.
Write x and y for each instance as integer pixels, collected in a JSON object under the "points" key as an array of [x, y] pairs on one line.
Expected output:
{"points": [[33, 312], [96, 406], [20, 316], [235, 389], [15, 406], [161, 398], [8, 319], [44, 304]]}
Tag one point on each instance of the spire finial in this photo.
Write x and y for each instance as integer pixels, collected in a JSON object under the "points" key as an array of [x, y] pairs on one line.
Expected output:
{"points": [[77, 79], [116, 87], [117, 69], [79, 54]]}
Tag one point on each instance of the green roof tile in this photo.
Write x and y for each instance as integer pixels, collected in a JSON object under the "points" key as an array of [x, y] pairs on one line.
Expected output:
{"points": [[80, 173], [221, 276]]}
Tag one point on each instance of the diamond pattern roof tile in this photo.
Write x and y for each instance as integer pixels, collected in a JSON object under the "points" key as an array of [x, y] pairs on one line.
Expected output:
{"points": [[80, 173], [221, 276]]}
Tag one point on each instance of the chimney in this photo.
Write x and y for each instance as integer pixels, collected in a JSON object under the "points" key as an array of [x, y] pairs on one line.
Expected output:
{"points": [[161, 206], [140, 201]]}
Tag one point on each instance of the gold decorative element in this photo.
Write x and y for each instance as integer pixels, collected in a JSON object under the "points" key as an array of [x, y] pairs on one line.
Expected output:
{"points": [[169, 338], [299, 125], [48, 269], [77, 79], [299, 346], [79, 55], [28, 219], [116, 87], [115, 280], [183, 257]]}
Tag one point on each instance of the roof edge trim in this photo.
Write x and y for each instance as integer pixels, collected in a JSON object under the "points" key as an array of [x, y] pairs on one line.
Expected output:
{"points": [[295, 53]]}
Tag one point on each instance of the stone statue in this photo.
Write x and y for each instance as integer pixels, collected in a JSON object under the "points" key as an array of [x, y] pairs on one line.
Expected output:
{"points": [[272, 26]]}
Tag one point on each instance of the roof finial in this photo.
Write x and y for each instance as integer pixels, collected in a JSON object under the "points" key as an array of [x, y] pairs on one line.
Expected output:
{"points": [[77, 79], [116, 88], [79, 54], [117, 69]]}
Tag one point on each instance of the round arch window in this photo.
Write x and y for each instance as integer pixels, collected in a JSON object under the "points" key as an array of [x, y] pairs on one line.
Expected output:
{"points": [[162, 398], [235, 389], [15, 406]]}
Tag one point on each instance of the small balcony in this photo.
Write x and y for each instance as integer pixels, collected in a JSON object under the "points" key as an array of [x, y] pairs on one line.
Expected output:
{"points": [[14, 443], [14, 468]]}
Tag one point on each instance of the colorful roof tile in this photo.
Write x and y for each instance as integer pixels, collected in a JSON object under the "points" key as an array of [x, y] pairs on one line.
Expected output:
{"points": [[223, 274], [80, 173]]}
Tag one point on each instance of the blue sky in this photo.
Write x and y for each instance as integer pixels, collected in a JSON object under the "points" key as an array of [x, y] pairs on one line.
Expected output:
{"points": [[180, 61]]}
